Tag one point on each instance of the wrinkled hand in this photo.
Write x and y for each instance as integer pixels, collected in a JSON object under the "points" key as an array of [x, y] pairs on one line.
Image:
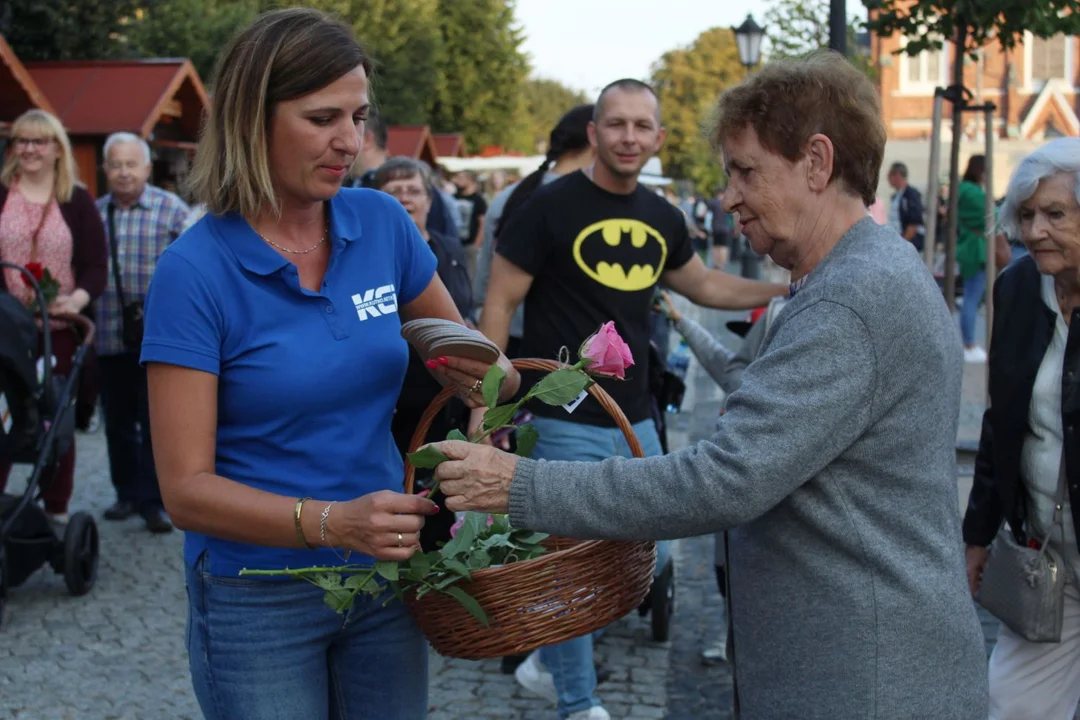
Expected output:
{"points": [[65, 305], [464, 374], [976, 561], [371, 524], [476, 477], [667, 306]]}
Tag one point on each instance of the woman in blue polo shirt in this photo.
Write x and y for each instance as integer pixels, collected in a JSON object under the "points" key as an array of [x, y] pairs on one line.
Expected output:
{"points": [[274, 358]]}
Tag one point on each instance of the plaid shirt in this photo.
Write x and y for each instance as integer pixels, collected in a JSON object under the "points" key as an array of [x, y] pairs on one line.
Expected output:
{"points": [[143, 232]]}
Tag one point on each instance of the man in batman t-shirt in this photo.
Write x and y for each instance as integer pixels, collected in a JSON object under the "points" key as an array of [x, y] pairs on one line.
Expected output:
{"points": [[585, 249]]}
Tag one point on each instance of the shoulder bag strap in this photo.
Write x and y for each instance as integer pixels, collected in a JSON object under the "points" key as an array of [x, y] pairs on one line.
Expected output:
{"points": [[115, 258], [1059, 503]]}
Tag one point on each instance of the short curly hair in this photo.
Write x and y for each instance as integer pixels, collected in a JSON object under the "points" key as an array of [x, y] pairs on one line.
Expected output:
{"points": [[790, 100]]}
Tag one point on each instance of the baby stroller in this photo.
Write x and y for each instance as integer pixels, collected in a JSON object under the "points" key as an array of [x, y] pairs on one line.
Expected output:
{"points": [[37, 426]]}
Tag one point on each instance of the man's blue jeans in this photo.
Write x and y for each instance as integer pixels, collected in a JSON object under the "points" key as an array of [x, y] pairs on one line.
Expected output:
{"points": [[272, 650], [571, 662]]}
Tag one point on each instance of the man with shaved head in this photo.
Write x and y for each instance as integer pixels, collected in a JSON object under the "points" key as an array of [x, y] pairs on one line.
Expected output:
{"points": [[589, 248]]}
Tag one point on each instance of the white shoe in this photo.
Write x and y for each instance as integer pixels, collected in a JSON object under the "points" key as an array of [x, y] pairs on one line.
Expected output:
{"points": [[532, 676], [974, 355], [597, 712]]}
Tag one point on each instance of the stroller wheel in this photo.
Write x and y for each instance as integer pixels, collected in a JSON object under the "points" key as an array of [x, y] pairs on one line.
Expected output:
{"points": [[80, 553], [662, 602]]}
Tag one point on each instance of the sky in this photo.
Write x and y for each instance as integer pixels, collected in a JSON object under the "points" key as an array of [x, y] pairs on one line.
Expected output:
{"points": [[585, 44]]}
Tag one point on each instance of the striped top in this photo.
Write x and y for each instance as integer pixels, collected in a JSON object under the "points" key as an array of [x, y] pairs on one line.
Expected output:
{"points": [[143, 231]]}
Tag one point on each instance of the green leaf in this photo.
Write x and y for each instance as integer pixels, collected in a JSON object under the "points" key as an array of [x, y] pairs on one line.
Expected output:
{"points": [[527, 436], [458, 568], [469, 603], [530, 538], [387, 569], [493, 383], [500, 416], [500, 525], [356, 582], [461, 542], [500, 540], [448, 581], [328, 581], [479, 559], [560, 387], [427, 457], [456, 434], [339, 599]]}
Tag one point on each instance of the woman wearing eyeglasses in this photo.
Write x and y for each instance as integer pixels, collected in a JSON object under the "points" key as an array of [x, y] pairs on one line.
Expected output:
{"points": [[46, 217]]}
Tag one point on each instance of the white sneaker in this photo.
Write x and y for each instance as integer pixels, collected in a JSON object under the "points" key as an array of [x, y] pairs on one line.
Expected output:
{"points": [[974, 355], [532, 676], [597, 712]]}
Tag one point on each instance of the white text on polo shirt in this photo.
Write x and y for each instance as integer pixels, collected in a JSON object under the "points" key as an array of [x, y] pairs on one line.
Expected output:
{"points": [[375, 303]]}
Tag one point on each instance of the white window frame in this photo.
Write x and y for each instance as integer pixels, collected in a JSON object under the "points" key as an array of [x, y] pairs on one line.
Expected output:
{"points": [[1033, 87], [927, 86]]}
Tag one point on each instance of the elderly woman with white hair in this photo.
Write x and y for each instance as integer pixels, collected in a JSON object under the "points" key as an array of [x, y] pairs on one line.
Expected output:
{"points": [[1028, 464]]}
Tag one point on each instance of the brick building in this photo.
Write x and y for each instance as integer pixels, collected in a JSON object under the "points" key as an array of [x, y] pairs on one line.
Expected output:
{"points": [[1035, 86]]}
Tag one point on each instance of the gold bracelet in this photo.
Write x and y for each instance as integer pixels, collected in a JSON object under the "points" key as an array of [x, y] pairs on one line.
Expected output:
{"points": [[299, 527]]}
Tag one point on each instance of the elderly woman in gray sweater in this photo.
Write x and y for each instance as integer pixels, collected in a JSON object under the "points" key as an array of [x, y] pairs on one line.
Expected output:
{"points": [[834, 467]]}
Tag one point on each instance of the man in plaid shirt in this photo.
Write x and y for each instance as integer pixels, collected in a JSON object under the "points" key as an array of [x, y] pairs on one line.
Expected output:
{"points": [[145, 220]]}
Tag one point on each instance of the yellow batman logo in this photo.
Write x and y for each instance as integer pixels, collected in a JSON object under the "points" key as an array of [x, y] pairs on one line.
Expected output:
{"points": [[621, 254]]}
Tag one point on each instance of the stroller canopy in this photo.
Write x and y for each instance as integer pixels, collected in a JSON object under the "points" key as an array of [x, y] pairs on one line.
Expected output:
{"points": [[18, 342]]}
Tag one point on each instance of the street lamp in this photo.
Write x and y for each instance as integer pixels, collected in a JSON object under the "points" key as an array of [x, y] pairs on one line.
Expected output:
{"points": [[748, 37]]}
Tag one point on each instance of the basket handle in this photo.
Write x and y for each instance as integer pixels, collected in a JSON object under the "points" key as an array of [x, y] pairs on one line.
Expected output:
{"points": [[443, 397]]}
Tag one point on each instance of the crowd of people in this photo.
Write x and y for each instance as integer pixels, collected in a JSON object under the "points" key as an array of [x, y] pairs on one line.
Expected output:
{"points": [[258, 336]]}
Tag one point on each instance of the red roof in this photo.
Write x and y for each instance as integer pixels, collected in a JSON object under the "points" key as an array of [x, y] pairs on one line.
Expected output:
{"points": [[449, 144], [98, 97], [410, 141], [18, 92]]}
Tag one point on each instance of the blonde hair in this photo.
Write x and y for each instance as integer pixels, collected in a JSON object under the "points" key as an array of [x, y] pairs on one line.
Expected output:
{"points": [[281, 56], [66, 175]]}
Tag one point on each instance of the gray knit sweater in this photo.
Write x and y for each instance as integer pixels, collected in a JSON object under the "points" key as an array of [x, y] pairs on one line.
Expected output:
{"points": [[834, 468]]}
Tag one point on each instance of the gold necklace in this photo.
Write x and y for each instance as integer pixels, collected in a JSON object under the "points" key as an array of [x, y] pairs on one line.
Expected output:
{"points": [[289, 250]]}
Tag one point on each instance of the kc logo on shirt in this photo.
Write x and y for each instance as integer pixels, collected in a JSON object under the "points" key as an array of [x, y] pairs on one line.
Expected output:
{"points": [[375, 303]]}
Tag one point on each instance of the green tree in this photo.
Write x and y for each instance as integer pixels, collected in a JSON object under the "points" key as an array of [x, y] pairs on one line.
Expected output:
{"points": [[68, 29], [798, 27], [545, 102], [484, 71], [195, 29], [689, 81]]}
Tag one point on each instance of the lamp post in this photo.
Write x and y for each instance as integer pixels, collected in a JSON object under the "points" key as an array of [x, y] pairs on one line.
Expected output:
{"points": [[748, 37]]}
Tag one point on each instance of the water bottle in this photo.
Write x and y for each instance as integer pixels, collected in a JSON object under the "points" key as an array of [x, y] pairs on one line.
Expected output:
{"points": [[677, 364]]}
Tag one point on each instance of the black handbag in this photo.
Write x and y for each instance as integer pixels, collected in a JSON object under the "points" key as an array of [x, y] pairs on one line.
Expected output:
{"points": [[131, 314]]}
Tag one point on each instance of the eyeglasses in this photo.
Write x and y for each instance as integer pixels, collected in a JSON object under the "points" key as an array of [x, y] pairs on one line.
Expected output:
{"points": [[38, 142], [406, 192]]}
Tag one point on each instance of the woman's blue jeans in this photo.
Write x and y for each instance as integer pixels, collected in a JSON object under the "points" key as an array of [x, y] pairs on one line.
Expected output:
{"points": [[974, 289], [272, 650], [571, 662]]}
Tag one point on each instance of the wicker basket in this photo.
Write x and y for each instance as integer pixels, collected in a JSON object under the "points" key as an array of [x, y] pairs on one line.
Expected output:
{"points": [[573, 589]]}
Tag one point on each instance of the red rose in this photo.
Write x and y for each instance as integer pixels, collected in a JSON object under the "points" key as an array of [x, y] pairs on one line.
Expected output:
{"points": [[37, 270]]}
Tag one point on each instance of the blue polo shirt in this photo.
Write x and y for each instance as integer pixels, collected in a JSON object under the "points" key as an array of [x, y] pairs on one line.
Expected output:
{"points": [[307, 381]]}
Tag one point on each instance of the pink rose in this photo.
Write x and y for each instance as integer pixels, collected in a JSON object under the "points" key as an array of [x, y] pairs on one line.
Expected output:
{"points": [[461, 521], [609, 354]]}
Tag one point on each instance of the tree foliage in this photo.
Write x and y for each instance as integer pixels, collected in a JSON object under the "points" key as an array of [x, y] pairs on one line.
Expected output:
{"points": [[798, 27], [689, 82], [484, 71], [545, 102], [925, 23], [195, 29], [68, 29]]}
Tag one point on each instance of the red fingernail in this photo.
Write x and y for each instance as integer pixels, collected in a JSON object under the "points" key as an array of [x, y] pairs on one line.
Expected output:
{"points": [[432, 364], [442, 361]]}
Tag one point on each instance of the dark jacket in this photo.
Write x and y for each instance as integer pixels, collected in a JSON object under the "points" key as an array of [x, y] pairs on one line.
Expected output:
{"points": [[90, 254], [1023, 328]]}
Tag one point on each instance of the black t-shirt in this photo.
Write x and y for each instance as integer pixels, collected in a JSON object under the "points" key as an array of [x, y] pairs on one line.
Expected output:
{"points": [[595, 256], [473, 207]]}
